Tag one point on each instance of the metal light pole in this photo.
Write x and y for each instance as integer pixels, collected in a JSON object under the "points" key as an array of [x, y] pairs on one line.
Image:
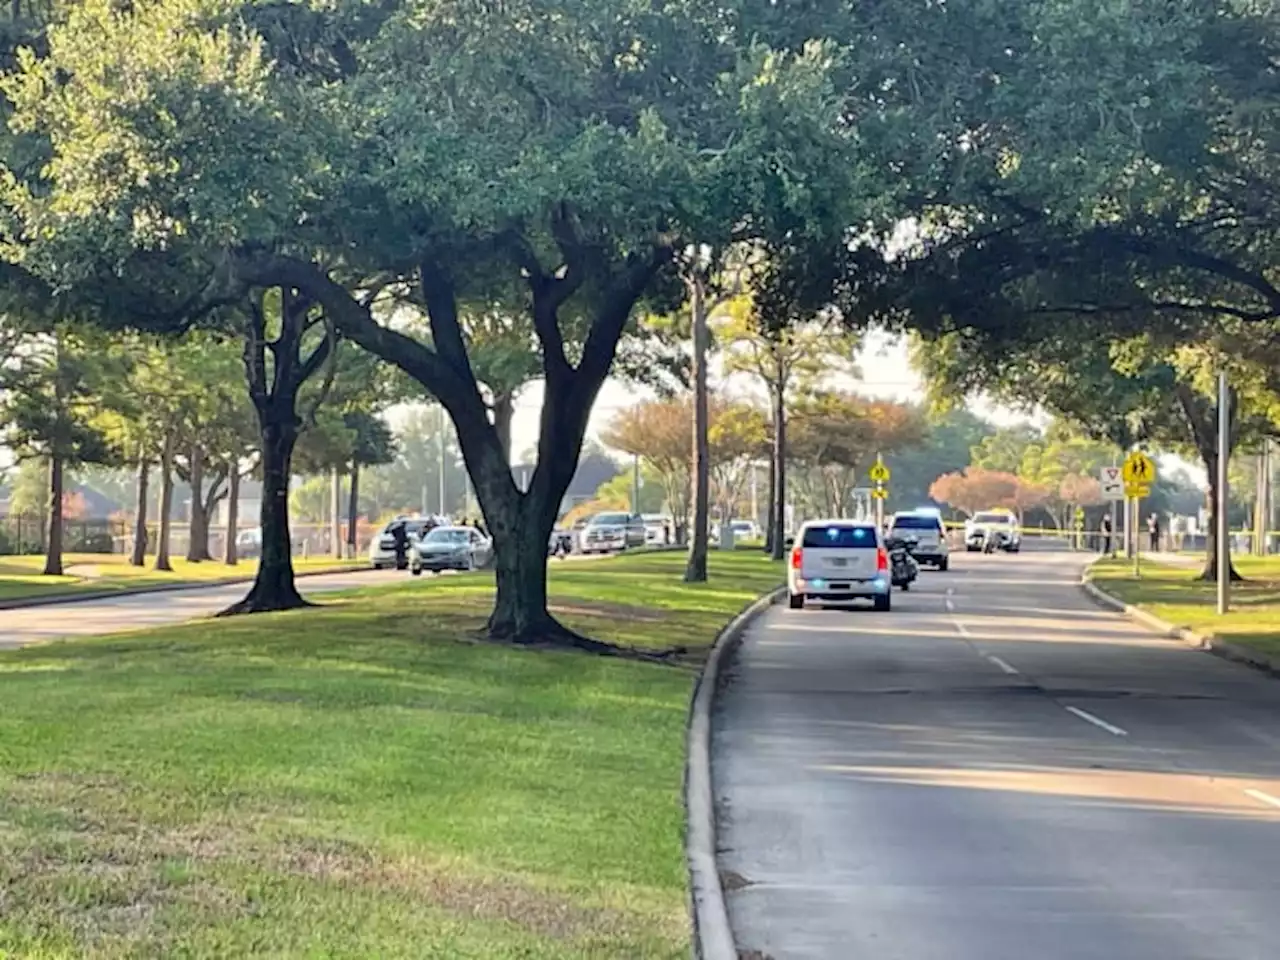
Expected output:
{"points": [[440, 446], [1224, 446], [635, 484]]}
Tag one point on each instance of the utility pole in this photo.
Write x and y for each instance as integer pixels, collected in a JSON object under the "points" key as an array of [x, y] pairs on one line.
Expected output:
{"points": [[440, 445], [1223, 529], [635, 483], [1262, 500]]}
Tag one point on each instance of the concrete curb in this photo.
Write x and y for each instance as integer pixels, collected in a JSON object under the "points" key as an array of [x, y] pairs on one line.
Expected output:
{"points": [[712, 937], [89, 595], [1207, 642]]}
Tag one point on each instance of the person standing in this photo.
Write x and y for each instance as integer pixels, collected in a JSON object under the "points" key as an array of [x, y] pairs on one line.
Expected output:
{"points": [[1153, 531], [1104, 529]]}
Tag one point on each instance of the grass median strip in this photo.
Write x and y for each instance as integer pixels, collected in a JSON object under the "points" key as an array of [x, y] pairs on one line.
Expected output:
{"points": [[361, 779], [1175, 595], [20, 577]]}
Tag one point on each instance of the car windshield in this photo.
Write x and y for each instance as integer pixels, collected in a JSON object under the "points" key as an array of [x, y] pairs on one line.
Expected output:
{"points": [[447, 535], [741, 524], [992, 518], [609, 518], [840, 536], [915, 522]]}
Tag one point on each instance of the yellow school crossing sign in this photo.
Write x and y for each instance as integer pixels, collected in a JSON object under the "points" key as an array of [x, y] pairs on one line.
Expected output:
{"points": [[879, 493], [879, 472], [1139, 473], [1139, 470]]}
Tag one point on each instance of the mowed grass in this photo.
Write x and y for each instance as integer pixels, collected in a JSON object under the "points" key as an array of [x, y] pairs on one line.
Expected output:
{"points": [[20, 577], [361, 780], [1173, 594]]}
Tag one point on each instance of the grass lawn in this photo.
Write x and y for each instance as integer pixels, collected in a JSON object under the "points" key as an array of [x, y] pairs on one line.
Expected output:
{"points": [[1173, 594], [20, 577], [361, 780]]}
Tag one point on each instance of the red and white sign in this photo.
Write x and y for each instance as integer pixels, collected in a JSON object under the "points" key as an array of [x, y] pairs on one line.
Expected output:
{"points": [[1112, 483]]}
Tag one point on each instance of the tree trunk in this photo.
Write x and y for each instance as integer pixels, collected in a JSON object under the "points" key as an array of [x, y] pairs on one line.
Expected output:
{"points": [[198, 539], [778, 507], [700, 468], [166, 506], [53, 544], [335, 513], [353, 510], [274, 587], [139, 557], [504, 411], [229, 555], [1209, 573]]}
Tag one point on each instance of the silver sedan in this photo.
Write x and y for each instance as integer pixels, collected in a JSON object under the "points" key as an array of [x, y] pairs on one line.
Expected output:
{"points": [[450, 548]]}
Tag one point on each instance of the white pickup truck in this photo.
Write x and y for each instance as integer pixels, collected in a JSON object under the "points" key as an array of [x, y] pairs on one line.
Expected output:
{"points": [[980, 524]]}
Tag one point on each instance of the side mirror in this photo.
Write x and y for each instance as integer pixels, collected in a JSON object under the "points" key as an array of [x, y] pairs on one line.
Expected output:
{"points": [[789, 542]]}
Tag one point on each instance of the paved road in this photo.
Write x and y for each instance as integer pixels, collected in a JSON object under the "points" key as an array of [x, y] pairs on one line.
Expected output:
{"points": [[92, 617], [996, 770]]}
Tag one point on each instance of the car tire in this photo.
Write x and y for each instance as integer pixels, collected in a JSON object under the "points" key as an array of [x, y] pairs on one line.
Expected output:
{"points": [[906, 586], [943, 565], [416, 571], [795, 601], [883, 603]]}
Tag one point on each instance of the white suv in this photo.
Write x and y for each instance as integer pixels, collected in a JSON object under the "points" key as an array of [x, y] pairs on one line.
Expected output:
{"points": [[926, 529], [837, 561]]}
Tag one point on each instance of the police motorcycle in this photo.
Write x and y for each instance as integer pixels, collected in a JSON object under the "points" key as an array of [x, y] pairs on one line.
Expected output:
{"points": [[994, 541], [903, 568]]}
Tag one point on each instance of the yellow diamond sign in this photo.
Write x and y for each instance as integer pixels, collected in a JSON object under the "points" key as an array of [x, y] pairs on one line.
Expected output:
{"points": [[1139, 470], [879, 472]]}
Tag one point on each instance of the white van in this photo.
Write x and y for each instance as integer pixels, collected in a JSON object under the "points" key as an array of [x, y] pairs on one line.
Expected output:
{"points": [[839, 561]]}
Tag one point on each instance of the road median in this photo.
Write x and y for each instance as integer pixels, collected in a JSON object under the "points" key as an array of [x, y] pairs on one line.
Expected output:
{"points": [[1171, 601], [364, 778]]}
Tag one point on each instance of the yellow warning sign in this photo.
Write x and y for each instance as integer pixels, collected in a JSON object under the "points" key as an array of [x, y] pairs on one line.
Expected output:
{"points": [[1139, 470]]}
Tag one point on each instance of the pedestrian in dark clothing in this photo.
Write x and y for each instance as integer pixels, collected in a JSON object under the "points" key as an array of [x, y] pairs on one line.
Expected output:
{"points": [[480, 526], [1153, 531], [401, 547], [1104, 529]]}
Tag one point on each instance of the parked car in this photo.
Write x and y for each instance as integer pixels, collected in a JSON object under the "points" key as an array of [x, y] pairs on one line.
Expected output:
{"points": [[450, 548], [382, 551], [609, 532], [926, 529], [838, 561], [983, 523], [658, 529]]}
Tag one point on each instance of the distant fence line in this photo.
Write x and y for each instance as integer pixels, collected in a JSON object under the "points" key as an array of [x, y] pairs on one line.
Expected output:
{"points": [[21, 534]]}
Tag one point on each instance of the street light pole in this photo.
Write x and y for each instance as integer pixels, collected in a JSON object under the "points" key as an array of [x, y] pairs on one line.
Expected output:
{"points": [[1224, 446], [440, 445], [635, 484]]}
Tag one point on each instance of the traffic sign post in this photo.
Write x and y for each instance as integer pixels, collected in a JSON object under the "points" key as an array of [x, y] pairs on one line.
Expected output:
{"points": [[1112, 483], [1079, 528], [879, 474], [1138, 474]]}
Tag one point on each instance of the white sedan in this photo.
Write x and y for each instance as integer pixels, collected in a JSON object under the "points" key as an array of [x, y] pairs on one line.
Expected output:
{"points": [[450, 548]]}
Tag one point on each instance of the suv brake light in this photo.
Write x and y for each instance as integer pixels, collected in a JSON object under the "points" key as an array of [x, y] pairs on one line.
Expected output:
{"points": [[795, 558], [882, 559]]}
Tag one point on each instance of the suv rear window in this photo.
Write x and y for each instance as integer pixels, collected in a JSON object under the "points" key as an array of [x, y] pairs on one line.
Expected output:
{"points": [[840, 536], [992, 518], [916, 523]]}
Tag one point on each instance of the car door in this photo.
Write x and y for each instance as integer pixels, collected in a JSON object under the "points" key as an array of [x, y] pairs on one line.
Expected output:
{"points": [[481, 548]]}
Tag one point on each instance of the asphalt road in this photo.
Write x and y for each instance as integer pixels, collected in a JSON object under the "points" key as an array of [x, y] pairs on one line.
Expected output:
{"points": [[996, 770]]}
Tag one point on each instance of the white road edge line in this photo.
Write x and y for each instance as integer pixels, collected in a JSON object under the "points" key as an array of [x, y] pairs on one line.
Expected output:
{"points": [[1001, 664], [1088, 717], [1262, 797]]}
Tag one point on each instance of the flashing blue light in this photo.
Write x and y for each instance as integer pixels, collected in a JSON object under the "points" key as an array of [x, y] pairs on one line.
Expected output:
{"points": [[879, 582], [820, 584]]}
